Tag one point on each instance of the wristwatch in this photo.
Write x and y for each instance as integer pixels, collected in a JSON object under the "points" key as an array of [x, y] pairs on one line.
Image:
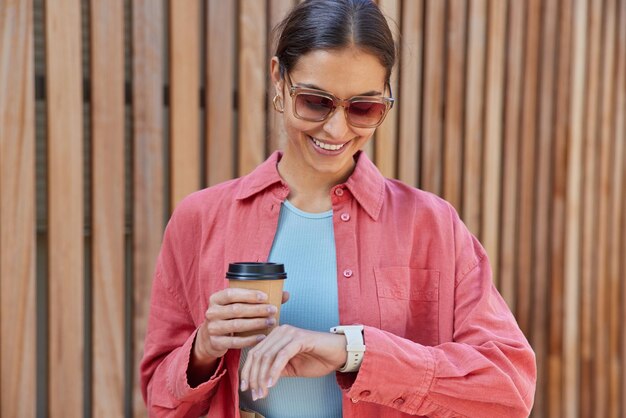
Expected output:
{"points": [[355, 346]]}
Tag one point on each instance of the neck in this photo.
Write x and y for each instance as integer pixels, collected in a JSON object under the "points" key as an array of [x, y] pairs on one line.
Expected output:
{"points": [[309, 191]]}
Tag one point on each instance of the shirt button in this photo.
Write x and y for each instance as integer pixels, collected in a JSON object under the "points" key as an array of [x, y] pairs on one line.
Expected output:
{"points": [[345, 216], [399, 401], [347, 273], [354, 400], [339, 191], [365, 393]]}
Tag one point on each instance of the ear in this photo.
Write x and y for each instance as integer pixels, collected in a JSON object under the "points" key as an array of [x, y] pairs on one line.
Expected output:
{"points": [[275, 74]]}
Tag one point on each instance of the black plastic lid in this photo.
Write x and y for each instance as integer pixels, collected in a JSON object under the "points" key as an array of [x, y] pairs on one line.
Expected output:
{"points": [[256, 271]]}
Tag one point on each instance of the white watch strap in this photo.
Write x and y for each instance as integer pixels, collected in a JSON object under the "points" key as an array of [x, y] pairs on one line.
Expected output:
{"points": [[355, 346]]}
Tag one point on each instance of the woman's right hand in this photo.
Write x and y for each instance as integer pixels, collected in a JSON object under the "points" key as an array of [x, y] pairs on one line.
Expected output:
{"points": [[230, 311]]}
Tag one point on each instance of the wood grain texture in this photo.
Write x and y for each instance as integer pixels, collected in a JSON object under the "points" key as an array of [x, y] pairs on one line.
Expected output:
{"points": [[603, 390], [276, 137], [589, 233], [494, 114], [148, 196], [474, 113], [432, 119], [510, 149], [528, 166], [618, 233], [184, 17], [107, 137], [410, 91], [549, 377], [252, 87], [560, 143], [455, 89], [386, 136], [615, 253], [17, 211], [220, 158], [573, 391], [65, 208]]}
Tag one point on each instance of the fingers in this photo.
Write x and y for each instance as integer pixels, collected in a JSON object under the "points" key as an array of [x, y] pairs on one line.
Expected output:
{"points": [[265, 362], [234, 295], [240, 310], [232, 326], [285, 296]]}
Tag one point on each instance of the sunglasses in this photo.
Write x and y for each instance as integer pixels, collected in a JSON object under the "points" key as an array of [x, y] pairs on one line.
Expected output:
{"points": [[316, 106]]}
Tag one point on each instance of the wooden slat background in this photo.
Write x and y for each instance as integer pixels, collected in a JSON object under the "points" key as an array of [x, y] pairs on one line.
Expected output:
{"points": [[514, 111]]}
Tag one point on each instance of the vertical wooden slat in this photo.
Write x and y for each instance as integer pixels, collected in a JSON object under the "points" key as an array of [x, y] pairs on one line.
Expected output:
{"points": [[510, 167], [148, 199], [65, 207], [107, 106], [603, 390], [527, 165], [386, 137], [560, 120], [474, 111], [549, 377], [410, 91], [455, 89], [220, 91], [616, 210], [432, 146], [252, 76], [277, 137], [574, 393], [492, 157], [184, 94], [17, 210], [589, 233], [618, 234], [573, 211]]}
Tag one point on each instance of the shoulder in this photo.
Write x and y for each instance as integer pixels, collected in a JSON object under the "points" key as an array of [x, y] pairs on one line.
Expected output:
{"points": [[402, 196]]}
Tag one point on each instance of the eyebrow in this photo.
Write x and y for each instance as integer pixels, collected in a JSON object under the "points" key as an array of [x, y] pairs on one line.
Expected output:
{"points": [[314, 87]]}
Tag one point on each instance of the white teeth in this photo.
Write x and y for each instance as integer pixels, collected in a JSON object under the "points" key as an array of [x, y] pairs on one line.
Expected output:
{"points": [[326, 146]]}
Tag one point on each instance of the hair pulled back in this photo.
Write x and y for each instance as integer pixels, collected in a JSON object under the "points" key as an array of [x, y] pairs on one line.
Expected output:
{"points": [[334, 24]]}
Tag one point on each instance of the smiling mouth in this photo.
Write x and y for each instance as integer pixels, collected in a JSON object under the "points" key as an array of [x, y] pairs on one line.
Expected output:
{"points": [[328, 147]]}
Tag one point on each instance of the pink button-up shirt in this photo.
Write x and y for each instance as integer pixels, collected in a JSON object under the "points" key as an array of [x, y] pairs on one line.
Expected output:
{"points": [[440, 340]]}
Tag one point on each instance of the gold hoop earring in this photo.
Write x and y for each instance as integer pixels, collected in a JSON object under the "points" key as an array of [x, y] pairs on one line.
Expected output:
{"points": [[278, 107]]}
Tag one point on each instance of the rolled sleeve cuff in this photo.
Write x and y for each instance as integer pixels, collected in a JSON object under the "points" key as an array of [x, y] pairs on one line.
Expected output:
{"points": [[388, 363], [177, 376]]}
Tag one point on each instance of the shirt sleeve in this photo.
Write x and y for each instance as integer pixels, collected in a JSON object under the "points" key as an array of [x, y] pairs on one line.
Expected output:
{"points": [[487, 370], [169, 340]]}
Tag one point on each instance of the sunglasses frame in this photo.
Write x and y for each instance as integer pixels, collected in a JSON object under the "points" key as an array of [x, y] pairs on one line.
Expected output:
{"points": [[294, 91]]}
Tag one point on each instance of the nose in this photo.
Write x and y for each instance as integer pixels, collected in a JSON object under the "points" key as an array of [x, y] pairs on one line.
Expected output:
{"points": [[337, 124]]}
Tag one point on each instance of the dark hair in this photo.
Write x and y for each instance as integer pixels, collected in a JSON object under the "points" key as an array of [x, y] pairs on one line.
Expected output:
{"points": [[334, 24]]}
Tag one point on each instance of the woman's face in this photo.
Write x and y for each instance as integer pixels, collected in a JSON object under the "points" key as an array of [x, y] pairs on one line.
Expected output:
{"points": [[328, 147]]}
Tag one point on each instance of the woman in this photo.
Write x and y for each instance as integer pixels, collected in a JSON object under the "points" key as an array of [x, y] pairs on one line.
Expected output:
{"points": [[428, 334]]}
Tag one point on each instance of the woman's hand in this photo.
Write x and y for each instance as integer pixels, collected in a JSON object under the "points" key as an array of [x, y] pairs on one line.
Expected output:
{"points": [[293, 352], [230, 311]]}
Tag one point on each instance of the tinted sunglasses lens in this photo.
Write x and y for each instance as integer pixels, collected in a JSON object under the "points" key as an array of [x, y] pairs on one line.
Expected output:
{"points": [[366, 113], [313, 107]]}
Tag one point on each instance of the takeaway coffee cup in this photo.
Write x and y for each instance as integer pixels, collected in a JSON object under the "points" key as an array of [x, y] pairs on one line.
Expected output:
{"points": [[266, 277]]}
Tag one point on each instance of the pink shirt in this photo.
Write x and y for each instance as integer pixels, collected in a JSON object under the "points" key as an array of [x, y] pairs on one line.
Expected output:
{"points": [[441, 341]]}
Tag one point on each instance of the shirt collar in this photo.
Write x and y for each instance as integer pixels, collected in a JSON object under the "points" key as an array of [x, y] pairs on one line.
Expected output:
{"points": [[365, 183]]}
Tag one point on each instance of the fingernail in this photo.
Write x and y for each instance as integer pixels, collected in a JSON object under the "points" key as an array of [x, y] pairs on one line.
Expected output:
{"points": [[254, 396], [261, 296], [260, 337], [272, 309], [270, 382], [270, 321], [244, 385]]}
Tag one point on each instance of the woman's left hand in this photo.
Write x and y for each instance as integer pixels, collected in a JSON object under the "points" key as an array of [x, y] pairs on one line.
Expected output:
{"points": [[293, 352]]}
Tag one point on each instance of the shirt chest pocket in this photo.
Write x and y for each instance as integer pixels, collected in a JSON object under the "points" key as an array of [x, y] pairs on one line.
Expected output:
{"points": [[408, 299]]}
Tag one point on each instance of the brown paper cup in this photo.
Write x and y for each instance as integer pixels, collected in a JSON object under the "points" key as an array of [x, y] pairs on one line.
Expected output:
{"points": [[266, 277]]}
